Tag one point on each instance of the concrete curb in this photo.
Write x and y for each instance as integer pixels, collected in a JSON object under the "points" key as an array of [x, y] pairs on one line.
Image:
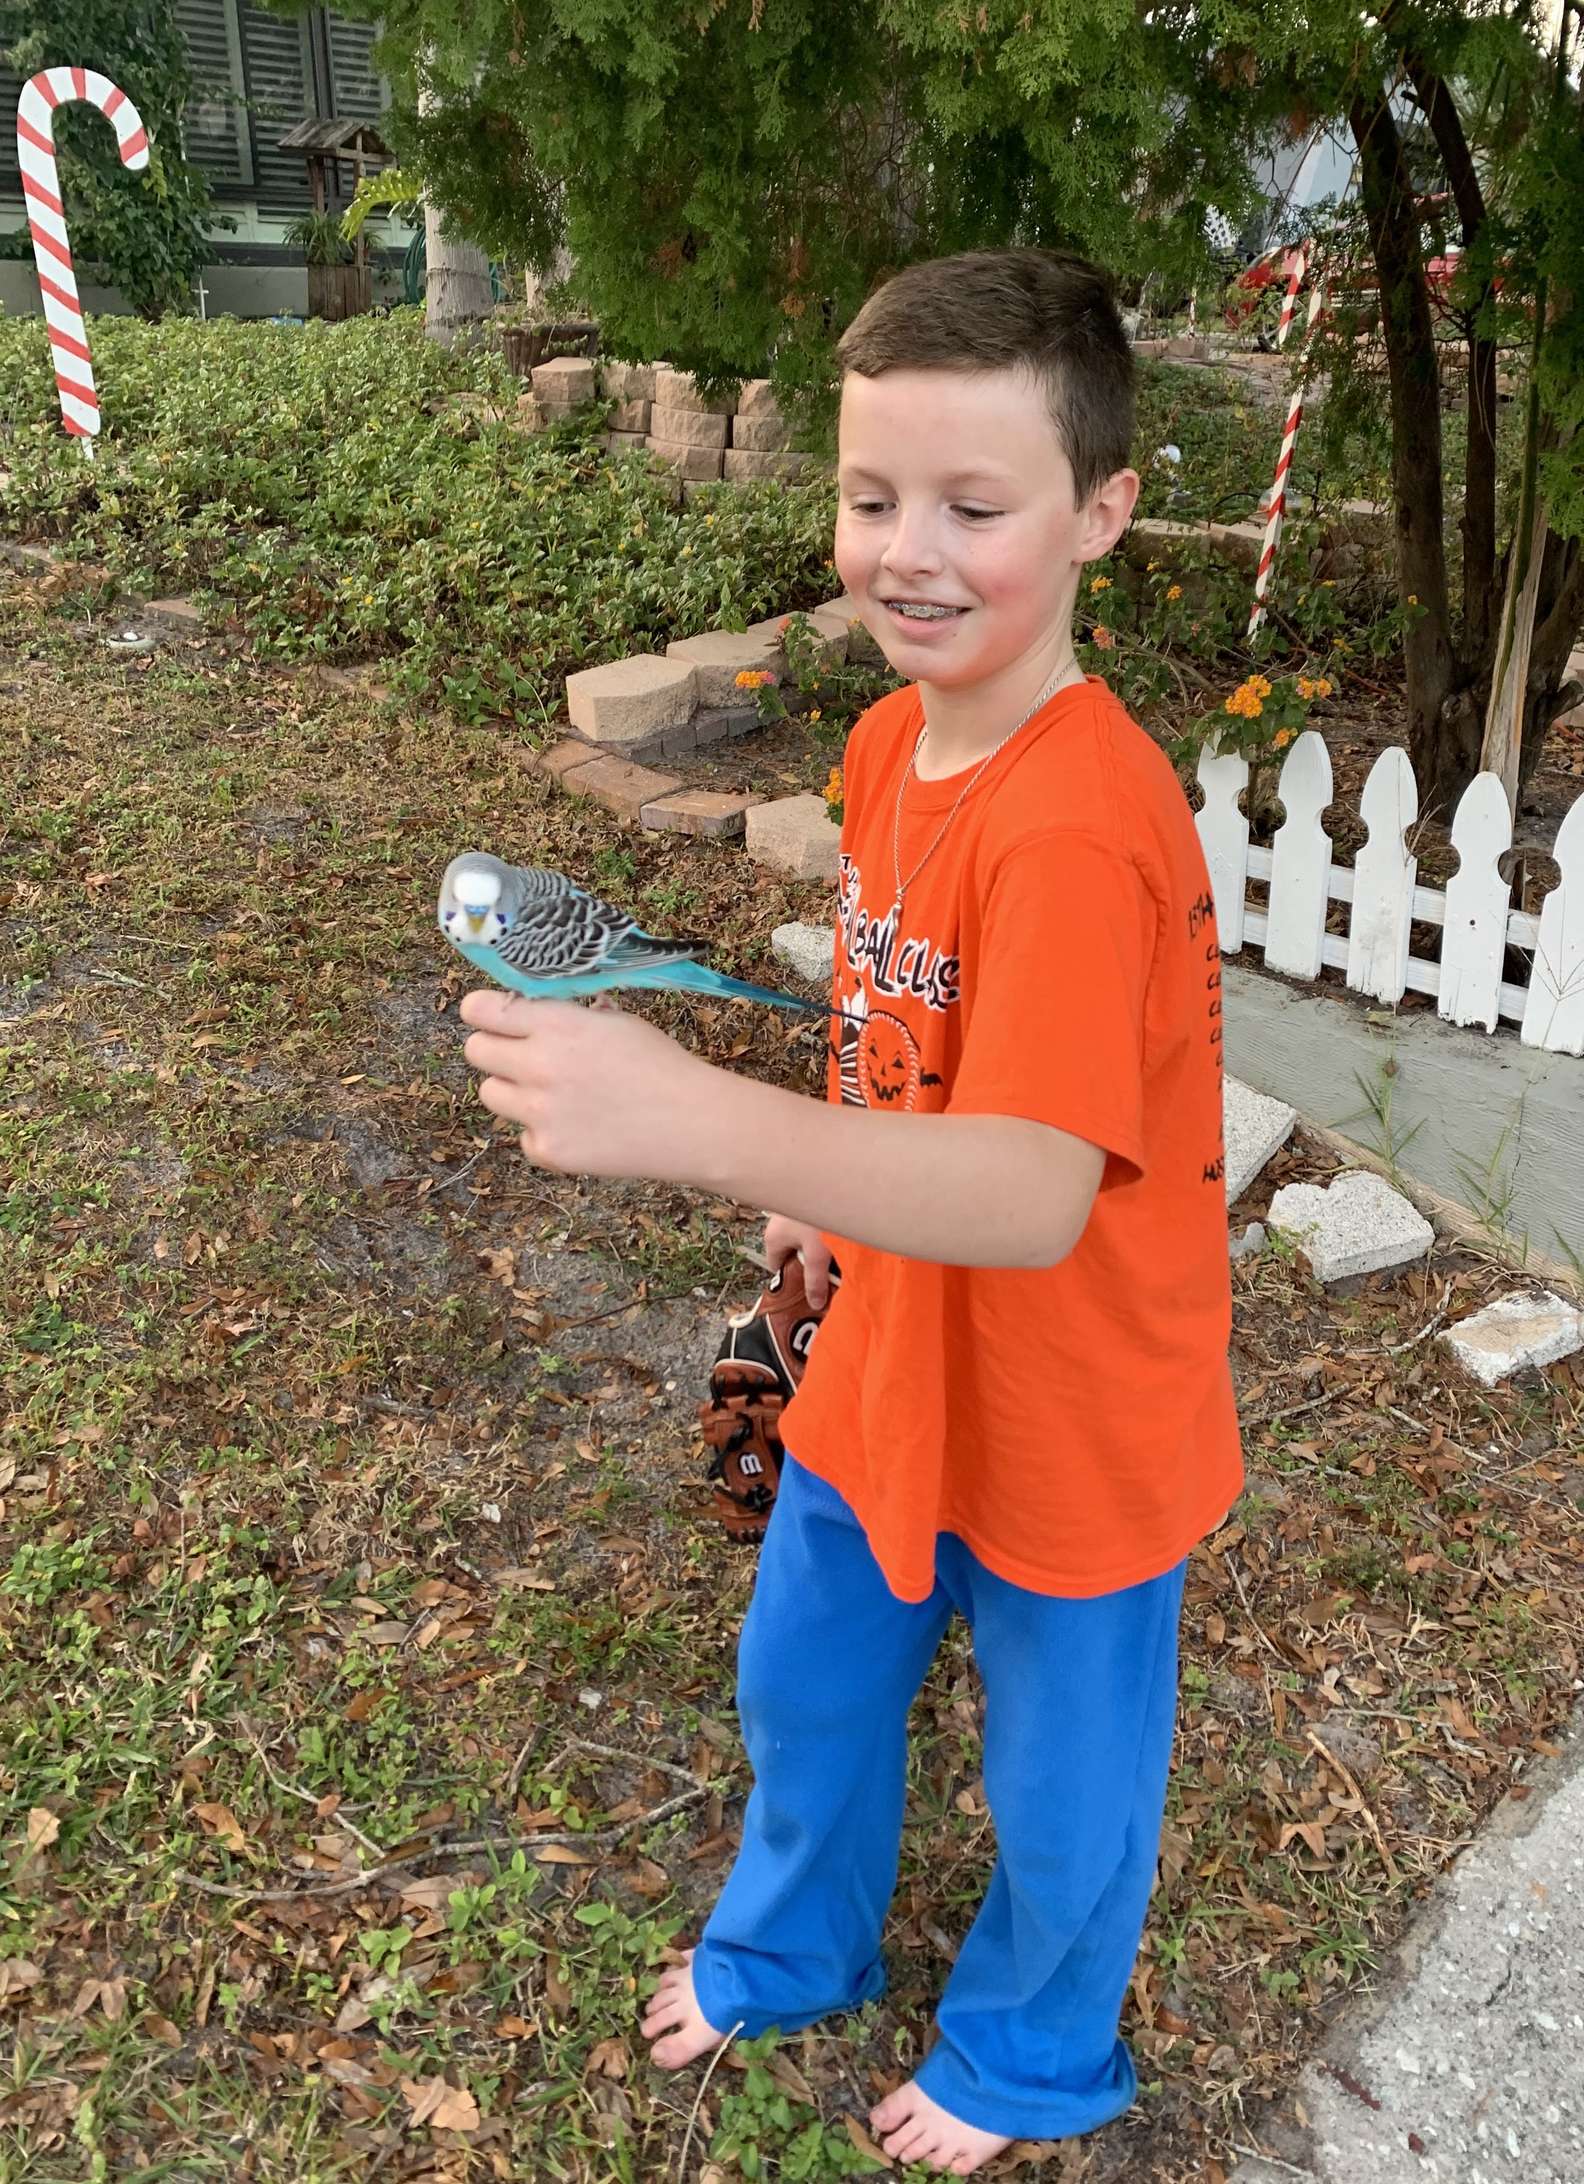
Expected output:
{"points": [[1464, 2066]]}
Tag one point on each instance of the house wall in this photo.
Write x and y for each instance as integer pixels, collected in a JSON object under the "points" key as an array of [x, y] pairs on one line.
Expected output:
{"points": [[257, 74]]}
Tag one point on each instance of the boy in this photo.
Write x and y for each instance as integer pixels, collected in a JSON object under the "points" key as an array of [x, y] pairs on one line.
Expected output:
{"points": [[1020, 1406]]}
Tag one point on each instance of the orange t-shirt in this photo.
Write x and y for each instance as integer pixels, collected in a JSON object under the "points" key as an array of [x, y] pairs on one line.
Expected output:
{"points": [[1056, 960]]}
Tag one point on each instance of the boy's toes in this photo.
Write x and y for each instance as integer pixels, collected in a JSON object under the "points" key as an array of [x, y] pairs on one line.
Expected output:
{"points": [[894, 2109], [674, 2023]]}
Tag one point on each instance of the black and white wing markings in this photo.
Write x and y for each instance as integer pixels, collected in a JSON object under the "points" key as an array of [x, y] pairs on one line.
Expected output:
{"points": [[570, 933]]}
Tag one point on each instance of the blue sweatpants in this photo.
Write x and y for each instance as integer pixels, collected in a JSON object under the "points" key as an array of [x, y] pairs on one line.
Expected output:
{"points": [[1080, 1698]]}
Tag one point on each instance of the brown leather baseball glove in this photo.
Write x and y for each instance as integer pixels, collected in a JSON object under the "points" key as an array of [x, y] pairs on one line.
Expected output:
{"points": [[755, 1376]]}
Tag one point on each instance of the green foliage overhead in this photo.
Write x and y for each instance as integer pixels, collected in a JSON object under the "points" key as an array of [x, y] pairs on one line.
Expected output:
{"points": [[732, 179], [140, 233]]}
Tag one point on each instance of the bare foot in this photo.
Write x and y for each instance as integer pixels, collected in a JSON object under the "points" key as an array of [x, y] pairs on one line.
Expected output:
{"points": [[675, 2024], [911, 2127]]}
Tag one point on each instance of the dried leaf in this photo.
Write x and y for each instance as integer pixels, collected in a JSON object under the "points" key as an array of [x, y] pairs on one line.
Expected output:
{"points": [[222, 1823], [864, 2143], [42, 1828], [443, 2106], [609, 2059], [563, 1854], [16, 1976]]}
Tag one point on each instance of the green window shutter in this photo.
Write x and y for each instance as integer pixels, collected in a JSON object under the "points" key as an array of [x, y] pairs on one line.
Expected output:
{"points": [[279, 90], [10, 92], [214, 127], [357, 90]]}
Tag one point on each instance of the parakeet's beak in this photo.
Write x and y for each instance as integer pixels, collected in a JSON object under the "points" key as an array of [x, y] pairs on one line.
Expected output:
{"points": [[475, 922]]}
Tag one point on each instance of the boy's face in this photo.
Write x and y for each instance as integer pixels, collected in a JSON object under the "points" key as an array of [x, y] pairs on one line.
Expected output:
{"points": [[956, 492]]}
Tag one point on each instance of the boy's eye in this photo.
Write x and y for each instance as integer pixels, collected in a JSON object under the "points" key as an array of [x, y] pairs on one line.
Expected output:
{"points": [[866, 507], [978, 515]]}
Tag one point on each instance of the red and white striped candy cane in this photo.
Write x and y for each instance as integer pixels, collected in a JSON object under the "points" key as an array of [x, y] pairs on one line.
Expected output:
{"points": [[1297, 266], [1276, 505], [50, 88]]}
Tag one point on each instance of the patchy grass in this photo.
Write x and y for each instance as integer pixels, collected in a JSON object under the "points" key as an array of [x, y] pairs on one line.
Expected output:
{"points": [[365, 1654]]}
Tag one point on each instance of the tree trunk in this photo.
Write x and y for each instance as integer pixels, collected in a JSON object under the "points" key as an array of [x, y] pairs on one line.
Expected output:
{"points": [[457, 284], [457, 287], [1443, 721], [1510, 687], [1480, 468]]}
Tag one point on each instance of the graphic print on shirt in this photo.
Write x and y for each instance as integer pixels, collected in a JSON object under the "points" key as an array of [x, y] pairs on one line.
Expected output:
{"points": [[878, 1059], [1202, 927]]}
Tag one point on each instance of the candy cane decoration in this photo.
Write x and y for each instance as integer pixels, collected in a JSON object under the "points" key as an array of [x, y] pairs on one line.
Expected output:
{"points": [[52, 87], [1297, 266], [1276, 505]]}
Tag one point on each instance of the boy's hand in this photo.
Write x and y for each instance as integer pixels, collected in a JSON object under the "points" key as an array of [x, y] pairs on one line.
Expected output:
{"points": [[595, 1092], [785, 1240]]}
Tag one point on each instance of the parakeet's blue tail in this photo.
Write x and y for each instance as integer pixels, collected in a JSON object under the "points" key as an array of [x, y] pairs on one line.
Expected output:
{"points": [[666, 977], [699, 978]]}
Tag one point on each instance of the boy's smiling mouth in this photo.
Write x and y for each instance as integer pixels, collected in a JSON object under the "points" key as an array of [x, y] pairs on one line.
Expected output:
{"points": [[921, 610]]}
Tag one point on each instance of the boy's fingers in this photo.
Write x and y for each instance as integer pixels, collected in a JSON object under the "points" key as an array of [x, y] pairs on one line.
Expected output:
{"points": [[495, 1055], [487, 1009]]}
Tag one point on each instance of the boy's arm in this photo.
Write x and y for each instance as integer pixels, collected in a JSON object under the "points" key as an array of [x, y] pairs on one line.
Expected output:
{"points": [[597, 1092]]}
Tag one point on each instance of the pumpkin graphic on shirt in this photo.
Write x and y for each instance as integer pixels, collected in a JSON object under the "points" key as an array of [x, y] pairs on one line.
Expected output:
{"points": [[888, 1062]]}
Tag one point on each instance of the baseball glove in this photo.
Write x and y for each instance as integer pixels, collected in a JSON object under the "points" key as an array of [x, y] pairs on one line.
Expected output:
{"points": [[755, 1376]]}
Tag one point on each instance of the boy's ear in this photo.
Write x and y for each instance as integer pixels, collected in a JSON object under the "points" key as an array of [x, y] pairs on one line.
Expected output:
{"points": [[1108, 513]]}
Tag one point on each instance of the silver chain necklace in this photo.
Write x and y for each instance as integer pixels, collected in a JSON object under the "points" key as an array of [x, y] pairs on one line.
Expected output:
{"points": [[902, 885]]}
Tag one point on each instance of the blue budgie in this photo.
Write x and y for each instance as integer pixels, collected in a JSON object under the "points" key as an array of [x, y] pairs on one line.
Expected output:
{"points": [[541, 935]]}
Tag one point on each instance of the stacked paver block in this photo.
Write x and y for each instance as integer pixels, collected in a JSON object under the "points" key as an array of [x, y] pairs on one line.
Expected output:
{"points": [[687, 429], [563, 385]]}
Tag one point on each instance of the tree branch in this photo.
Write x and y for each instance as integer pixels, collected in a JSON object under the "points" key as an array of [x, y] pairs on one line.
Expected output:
{"points": [[1480, 589], [1391, 213]]}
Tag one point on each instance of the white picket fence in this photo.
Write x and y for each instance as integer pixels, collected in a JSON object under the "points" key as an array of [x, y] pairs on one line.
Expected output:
{"points": [[1475, 914]]}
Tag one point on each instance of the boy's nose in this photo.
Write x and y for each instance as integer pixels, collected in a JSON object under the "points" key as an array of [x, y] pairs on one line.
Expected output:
{"points": [[913, 549]]}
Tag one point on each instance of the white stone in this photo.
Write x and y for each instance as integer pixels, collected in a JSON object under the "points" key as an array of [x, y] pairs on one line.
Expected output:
{"points": [[1255, 1129], [1530, 1327], [756, 399], [795, 835], [1252, 1239], [810, 950], [1357, 1225]]}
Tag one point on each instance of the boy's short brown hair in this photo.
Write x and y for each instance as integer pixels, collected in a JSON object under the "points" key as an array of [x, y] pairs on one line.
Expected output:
{"points": [[1051, 313]]}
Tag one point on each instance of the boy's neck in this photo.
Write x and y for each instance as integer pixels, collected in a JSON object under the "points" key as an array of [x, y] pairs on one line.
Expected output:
{"points": [[965, 723]]}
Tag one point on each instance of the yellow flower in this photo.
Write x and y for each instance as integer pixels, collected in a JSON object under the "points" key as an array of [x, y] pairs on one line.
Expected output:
{"points": [[1282, 738], [1101, 583], [1246, 702], [1174, 591], [1260, 687], [1151, 568], [368, 599], [815, 713], [752, 677], [1103, 638], [833, 787], [1413, 599]]}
